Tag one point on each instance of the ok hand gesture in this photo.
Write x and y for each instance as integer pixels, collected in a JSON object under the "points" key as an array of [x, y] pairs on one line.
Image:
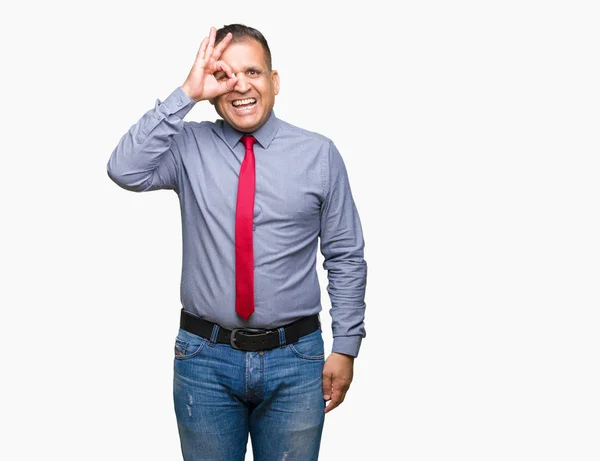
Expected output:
{"points": [[200, 83]]}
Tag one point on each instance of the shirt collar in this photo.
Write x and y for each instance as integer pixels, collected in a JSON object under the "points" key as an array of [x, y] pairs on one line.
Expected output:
{"points": [[264, 135]]}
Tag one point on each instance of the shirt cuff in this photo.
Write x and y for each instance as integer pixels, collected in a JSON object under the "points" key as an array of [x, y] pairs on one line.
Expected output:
{"points": [[349, 345], [178, 103]]}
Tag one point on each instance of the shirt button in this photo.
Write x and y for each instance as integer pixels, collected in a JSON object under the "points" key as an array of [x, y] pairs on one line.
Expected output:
{"points": [[179, 103]]}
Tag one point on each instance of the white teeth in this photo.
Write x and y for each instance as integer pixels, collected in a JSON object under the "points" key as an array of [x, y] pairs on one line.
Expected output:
{"points": [[240, 102], [244, 108]]}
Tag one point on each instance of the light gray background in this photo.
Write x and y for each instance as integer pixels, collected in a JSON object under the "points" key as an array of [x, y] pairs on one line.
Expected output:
{"points": [[470, 134]]}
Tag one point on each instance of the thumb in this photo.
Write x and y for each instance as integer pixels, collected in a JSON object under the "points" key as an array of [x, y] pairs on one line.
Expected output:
{"points": [[327, 386], [227, 85]]}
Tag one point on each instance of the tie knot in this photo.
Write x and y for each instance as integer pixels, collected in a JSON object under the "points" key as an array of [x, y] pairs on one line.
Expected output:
{"points": [[248, 141]]}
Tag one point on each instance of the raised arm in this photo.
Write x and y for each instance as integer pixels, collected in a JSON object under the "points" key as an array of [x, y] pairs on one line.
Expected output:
{"points": [[147, 156]]}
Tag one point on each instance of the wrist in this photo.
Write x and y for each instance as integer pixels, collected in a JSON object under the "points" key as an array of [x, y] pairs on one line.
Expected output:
{"points": [[350, 357], [188, 93]]}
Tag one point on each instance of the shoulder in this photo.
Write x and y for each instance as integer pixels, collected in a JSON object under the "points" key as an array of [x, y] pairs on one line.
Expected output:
{"points": [[293, 132], [203, 126], [201, 131]]}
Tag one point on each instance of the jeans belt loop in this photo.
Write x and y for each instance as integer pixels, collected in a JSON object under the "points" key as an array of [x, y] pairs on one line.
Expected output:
{"points": [[213, 337], [282, 341]]}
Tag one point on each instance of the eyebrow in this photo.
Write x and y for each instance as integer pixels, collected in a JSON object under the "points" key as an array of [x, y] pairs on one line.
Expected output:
{"points": [[255, 68]]}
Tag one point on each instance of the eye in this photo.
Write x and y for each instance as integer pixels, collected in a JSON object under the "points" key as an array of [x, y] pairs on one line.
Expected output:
{"points": [[253, 72]]}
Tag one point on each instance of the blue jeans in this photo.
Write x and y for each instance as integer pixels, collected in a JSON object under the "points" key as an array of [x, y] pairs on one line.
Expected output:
{"points": [[222, 394]]}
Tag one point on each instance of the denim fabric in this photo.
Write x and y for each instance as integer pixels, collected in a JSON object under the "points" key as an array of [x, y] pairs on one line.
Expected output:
{"points": [[222, 395]]}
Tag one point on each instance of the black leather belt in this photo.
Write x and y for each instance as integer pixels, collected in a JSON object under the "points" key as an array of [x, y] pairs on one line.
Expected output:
{"points": [[250, 339]]}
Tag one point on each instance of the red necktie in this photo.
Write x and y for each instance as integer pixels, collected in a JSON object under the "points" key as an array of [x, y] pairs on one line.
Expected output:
{"points": [[244, 253]]}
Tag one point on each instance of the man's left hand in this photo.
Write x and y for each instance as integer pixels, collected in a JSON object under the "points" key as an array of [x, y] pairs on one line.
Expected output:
{"points": [[337, 376]]}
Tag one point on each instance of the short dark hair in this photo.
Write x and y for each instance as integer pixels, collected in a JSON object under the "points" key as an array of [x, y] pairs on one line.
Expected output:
{"points": [[240, 33]]}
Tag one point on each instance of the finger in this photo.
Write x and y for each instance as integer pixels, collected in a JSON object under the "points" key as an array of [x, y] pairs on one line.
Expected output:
{"points": [[336, 399], [225, 84], [338, 395], [340, 387], [228, 85], [211, 43], [202, 49], [221, 46], [327, 390], [222, 65]]}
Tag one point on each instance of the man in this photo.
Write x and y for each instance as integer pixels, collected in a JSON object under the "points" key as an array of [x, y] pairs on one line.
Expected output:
{"points": [[255, 193]]}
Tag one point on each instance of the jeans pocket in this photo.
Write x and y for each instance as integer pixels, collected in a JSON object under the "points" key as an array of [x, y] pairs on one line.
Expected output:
{"points": [[188, 345], [309, 347]]}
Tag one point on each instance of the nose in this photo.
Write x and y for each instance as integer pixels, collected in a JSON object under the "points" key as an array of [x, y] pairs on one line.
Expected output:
{"points": [[242, 85]]}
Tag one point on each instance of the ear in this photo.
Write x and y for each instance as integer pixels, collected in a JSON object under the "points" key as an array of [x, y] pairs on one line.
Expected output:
{"points": [[275, 81]]}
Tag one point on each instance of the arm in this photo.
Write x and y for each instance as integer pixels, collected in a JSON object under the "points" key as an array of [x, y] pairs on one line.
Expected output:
{"points": [[147, 158], [342, 246]]}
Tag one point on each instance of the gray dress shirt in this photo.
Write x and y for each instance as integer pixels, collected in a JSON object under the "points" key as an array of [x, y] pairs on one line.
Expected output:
{"points": [[302, 194]]}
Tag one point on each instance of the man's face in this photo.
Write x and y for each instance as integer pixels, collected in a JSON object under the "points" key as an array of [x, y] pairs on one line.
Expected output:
{"points": [[248, 106]]}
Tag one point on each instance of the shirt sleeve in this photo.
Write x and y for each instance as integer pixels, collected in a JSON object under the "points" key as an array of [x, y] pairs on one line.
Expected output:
{"points": [[342, 246], [147, 157]]}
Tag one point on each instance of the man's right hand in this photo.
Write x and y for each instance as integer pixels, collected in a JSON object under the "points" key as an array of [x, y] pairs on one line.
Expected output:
{"points": [[201, 83]]}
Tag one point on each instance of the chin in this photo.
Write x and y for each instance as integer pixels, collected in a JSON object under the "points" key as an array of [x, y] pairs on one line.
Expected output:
{"points": [[245, 125]]}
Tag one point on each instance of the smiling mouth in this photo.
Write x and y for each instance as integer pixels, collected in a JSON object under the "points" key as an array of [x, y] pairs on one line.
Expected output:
{"points": [[243, 104]]}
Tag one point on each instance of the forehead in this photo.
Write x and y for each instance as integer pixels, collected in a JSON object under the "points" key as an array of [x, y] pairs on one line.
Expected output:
{"points": [[244, 54]]}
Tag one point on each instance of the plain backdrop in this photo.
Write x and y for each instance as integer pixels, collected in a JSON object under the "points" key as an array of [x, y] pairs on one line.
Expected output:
{"points": [[469, 130]]}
